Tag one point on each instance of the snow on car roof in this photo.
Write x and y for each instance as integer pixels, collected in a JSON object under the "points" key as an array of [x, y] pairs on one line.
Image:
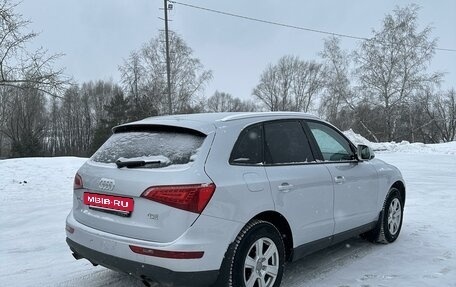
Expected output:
{"points": [[227, 116]]}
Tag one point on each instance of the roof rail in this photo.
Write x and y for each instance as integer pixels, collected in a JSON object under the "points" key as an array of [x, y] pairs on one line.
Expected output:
{"points": [[265, 114]]}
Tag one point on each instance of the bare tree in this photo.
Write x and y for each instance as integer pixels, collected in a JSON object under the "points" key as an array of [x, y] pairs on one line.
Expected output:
{"points": [[118, 111], [19, 67], [339, 97], [268, 90], [220, 102], [5, 98], [337, 93], [274, 89], [145, 99], [80, 121], [99, 94], [308, 81], [224, 102], [143, 75], [441, 110], [291, 84], [77, 121], [391, 66], [26, 121], [55, 133], [131, 73]]}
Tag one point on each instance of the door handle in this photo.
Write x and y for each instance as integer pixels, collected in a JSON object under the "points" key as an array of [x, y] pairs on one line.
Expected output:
{"points": [[339, 179], [285, 187]]}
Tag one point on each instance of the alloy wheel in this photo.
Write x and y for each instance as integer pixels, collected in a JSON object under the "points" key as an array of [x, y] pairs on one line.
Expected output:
{"points": [[261, 264]]}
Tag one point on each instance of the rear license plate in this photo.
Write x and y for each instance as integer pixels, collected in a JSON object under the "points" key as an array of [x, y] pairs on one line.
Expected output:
{"points": [[109, 202]]}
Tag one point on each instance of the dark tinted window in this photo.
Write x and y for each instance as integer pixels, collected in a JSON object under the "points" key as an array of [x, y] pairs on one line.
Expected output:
{"points": [[332, 144], [286, 142], [249, 146], [168, 147]]}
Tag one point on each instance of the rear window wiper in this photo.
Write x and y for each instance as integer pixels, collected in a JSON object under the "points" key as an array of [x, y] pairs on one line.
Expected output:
{"points": [[135, 163]]}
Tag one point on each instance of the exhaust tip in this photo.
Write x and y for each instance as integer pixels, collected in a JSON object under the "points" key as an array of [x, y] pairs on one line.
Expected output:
{"points": [[93, 263], [77, 256]]}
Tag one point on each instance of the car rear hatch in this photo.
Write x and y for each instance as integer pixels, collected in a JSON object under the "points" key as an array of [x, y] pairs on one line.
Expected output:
{"points": [[112, 197]]}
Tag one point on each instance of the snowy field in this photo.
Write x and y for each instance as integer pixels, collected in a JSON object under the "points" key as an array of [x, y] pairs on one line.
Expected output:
{"points": [[36, 196]]}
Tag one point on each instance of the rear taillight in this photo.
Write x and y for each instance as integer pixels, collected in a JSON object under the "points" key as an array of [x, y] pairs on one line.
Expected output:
{"points": [[77, 182], [192, 197]]}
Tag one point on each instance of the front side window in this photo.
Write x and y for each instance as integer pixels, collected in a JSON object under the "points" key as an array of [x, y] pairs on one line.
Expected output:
{"points": [[249, 146], [286, 143], [333, 146]]}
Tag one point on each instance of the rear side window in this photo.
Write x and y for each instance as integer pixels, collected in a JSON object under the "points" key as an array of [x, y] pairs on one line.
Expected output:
{"points": [[167, 147], [249, 146], [286, 143]]}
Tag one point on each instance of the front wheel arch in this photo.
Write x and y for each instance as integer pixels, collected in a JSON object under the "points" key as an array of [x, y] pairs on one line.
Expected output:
{"points": [[401, 187], [380, 233]]}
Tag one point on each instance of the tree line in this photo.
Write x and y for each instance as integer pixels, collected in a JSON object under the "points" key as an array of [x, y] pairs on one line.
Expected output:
{"points": [[383, 89]]}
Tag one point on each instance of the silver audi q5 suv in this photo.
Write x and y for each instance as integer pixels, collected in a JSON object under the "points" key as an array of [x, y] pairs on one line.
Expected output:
{"points": [[226, 199]]}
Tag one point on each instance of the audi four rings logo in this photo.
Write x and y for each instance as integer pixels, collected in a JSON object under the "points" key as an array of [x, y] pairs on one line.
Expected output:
{"points": [[106, 184]]}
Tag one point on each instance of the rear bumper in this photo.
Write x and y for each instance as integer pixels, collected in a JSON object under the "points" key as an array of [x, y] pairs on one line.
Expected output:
{"points": [[208, 234], [145, 271]]}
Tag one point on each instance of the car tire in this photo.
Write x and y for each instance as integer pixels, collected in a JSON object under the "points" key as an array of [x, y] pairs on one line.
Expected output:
{"points": [[390, 220], [256, 258]]}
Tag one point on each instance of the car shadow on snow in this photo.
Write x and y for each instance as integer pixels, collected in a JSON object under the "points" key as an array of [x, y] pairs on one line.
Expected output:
{"points": [[317, 265]]}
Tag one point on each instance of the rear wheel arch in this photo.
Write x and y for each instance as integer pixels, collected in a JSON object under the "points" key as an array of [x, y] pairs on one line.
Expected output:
{"points": [[235, 271], [281, 223]]}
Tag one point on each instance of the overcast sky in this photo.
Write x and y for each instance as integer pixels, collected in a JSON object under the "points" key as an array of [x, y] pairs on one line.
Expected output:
{"points": [[95, 35]]}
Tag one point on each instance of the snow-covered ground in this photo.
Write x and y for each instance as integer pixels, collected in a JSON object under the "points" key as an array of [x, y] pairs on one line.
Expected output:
{"points": [[36, 195], [403, 146]]}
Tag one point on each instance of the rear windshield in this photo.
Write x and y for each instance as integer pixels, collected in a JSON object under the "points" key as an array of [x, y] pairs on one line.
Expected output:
{"points": [[166, 147]]}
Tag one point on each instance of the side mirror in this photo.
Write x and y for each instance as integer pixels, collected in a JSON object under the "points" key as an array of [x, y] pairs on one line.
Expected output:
{"points": [[364, 152]]}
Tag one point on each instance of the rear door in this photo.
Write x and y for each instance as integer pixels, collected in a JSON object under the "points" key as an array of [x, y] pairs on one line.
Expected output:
{"points": [[177, 157], [355, 183], [301, 188]]}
